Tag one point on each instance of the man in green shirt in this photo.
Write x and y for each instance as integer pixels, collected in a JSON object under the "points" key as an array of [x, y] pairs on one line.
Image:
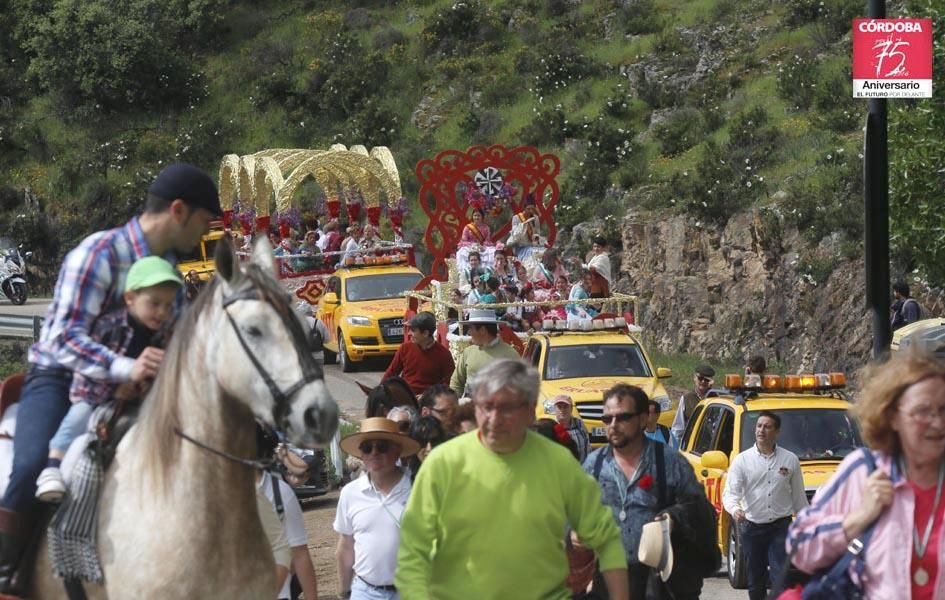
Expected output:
{"points": [[485, 348], [489, 510]]}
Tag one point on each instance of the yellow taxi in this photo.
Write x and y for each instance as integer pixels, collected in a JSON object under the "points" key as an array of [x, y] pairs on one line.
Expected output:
{"points": [[815, 425], [363, 310], [201, 259], [585, 364]]}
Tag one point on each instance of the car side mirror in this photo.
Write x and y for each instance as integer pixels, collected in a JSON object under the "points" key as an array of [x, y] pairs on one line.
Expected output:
{"points": [[331, 298], [714, 459], [663, 372]]}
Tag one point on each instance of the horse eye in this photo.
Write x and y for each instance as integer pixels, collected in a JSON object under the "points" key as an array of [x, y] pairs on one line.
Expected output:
{"points": [[253, 331]]}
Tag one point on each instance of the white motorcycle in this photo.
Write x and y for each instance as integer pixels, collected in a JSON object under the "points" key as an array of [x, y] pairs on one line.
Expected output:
{"points": [[12, 271]]}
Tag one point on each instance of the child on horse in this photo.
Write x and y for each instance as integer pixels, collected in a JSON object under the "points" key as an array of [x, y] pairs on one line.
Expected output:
{"points": [[150, 292]]}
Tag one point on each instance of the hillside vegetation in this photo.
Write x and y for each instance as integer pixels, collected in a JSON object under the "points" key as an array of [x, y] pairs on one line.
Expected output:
{"points": [[702, 106]]}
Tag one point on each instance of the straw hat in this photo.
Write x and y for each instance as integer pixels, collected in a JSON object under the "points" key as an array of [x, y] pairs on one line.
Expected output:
{"points": [[379, 428], [480, 316], [656, 551]]}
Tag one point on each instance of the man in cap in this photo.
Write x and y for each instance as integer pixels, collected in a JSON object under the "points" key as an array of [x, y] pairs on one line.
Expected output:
{"points": [[420, 360], [702, 381], [489, 509], [484, 348], [563, 407], [180, 203], [370, 510], [642, 480]]}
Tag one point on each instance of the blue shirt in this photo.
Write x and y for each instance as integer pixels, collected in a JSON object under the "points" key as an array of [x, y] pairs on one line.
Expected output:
{"points": [[641, 505], [657, 436]]}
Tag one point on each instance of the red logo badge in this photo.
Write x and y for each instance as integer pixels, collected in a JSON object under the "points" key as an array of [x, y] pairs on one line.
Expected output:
{"points": [[892, 58]]}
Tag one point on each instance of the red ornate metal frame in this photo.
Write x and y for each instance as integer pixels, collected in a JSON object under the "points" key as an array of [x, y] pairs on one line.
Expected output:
{"points": [[529, 171]]}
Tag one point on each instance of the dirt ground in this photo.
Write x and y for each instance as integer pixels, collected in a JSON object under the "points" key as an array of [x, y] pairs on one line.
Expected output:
{"points": [[322, 539]]}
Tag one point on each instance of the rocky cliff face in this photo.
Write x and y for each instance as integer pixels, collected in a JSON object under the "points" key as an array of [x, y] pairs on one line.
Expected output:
{"points": [[728, 292]]}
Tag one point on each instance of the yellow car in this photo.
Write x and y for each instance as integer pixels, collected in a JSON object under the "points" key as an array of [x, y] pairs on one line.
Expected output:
{"points": [[363, 310], [814, 425], [585, 364], [201, 259]]}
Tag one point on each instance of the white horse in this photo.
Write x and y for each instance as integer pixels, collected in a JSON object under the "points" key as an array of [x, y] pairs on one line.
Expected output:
{"points": [[177, 520]]}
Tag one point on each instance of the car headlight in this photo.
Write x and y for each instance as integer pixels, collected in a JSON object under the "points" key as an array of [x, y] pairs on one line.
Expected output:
{"points": [[665, 403], [360, 321]]}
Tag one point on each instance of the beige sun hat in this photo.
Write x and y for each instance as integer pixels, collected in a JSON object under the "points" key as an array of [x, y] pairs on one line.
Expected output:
{"points": [[379, 428], [656, 551]]}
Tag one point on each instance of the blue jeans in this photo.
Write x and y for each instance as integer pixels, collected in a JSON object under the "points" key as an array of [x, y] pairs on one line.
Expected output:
{"points": [[43, 404], [764, 549], [75, 423], [362, 591]]}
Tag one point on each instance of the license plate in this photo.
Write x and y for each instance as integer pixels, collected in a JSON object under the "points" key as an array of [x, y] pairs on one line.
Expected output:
{"points": [[395, 331], [599, 432]]}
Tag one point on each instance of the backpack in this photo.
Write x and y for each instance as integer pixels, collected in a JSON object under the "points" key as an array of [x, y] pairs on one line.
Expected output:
{"points": [[920, 309]]}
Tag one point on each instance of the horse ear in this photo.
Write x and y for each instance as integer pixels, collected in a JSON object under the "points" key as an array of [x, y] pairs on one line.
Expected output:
{"points": [[225, 259], [263, 256]]}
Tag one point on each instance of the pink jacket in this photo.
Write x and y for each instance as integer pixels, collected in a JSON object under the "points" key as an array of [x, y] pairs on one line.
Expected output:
{"points": [[818, 533]]}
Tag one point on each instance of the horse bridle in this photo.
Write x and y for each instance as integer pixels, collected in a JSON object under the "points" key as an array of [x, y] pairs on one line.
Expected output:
{"points": [[309, 368]]}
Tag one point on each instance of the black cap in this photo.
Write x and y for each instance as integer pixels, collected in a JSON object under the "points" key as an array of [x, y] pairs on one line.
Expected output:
{"points": [[705, 371], [189, 183], [424, 321]]}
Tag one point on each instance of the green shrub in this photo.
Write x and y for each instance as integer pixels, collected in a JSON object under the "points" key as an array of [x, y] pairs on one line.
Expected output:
{"points": [[679, 132], [639, 17], [837, 110], [462, 28], [828, 199], [797, 78], [549, 127]]}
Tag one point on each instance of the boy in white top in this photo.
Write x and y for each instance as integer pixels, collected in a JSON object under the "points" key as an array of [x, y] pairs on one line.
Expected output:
{"points": [[370, 509], [763, 489]]}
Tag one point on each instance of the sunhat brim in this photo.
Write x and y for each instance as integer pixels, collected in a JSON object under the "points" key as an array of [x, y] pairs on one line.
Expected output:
{"points": [[408, 445]]}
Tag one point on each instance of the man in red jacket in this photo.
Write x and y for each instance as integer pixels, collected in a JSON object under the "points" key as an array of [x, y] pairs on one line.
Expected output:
{"points": [[421, 361]]}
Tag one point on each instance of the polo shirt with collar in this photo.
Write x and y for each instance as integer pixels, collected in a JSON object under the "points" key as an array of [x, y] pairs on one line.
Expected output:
{"points": [[476, 357], [373, 520], [767, 487]]}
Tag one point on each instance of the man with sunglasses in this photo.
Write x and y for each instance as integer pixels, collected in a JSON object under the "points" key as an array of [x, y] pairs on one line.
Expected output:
{"points": [[370, 509], [702, 380], [489, 509], [641, 480]]}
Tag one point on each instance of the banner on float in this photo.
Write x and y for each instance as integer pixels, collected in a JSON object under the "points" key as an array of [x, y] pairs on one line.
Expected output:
{"points": [[892, 58]]}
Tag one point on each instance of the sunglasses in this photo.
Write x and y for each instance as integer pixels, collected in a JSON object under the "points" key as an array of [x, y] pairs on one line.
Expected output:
{"points": [[704, 379], [382, 446], [619, 417]]}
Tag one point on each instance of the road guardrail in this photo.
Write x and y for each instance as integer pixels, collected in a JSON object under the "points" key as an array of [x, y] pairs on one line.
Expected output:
{"points": [[20, 326]]}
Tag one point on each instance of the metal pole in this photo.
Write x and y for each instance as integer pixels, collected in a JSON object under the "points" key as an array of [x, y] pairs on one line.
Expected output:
{"points": [[876, 204]]}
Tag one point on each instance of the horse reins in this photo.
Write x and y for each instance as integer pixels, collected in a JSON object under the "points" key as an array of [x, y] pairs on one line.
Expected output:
{"points": [[310, 373]]}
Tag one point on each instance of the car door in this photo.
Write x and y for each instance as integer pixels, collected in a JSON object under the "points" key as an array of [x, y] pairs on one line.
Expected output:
{"points": [[328, 313]]}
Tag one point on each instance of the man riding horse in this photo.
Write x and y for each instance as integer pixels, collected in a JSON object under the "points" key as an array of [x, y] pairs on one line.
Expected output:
{"points": [[180, 204]]}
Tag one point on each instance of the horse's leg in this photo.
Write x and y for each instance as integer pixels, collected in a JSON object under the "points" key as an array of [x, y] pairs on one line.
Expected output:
{"points": [[46, 586]]}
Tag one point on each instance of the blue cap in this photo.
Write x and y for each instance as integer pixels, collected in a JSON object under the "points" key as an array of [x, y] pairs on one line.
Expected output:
{"points": [[189, 183]]}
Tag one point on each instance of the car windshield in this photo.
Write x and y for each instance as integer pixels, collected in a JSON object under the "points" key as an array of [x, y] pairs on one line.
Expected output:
{"points": [[596, 360], [379, 287], [810, 433]]}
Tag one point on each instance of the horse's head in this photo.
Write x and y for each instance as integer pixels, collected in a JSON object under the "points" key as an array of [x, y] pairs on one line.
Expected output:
{"points": [[265, 356]]}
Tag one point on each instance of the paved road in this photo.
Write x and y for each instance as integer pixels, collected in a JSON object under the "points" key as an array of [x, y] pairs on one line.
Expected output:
{"points": [[33, 306]]}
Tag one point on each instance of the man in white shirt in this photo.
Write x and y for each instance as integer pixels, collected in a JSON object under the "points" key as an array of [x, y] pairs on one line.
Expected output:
{"points": [[370, 509], [763, 489]]}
